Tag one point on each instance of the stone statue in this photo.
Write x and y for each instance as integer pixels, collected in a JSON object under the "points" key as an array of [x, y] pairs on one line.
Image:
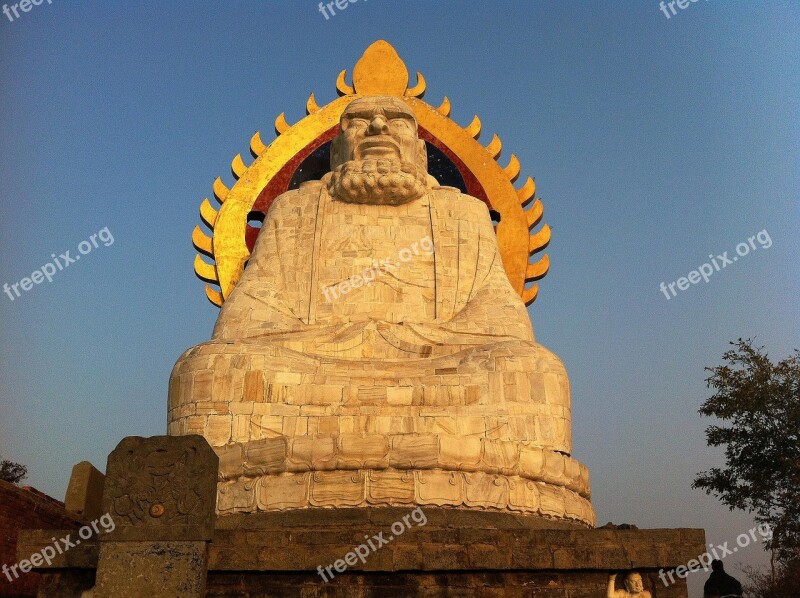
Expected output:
{"points": [[375, 353], [634, 587], [377, 204]]}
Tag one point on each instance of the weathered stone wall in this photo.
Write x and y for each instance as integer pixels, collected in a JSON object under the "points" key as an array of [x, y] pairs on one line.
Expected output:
{"points": [[168, 542], [453, 553], [23, 509], [461, 584]]}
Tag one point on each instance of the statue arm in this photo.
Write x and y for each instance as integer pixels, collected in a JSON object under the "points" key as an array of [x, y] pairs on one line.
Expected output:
{"points": [[491, 300], [262, 301], [611, 592]]}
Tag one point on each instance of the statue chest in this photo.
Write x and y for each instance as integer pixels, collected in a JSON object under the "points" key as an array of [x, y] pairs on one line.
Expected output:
{"points": [[375, 262]]}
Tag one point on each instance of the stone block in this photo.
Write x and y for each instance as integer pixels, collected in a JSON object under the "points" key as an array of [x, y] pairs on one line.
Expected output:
{"points": [[137, 569], [390, 486], [161, 488], [499, 456], [85, 491], [414, 451], [288, 491], [401, 395], [233, 498], [268, 455], [459, 453], [440, 488], [485, 489], [254, 389], [337, 488], [313, 452], [523, 495], [218, 429], [488, 556], [230, 460], [363, 451]]}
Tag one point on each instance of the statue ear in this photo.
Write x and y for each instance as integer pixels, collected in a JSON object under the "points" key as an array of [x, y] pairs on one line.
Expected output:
{"points": [[422, 154]]}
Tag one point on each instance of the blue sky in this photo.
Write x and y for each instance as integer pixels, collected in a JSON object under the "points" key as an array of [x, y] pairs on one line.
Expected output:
{"points": [[654, 142]]}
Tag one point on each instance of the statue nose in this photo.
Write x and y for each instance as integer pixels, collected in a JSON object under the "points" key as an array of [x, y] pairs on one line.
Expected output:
{"points": [[378, 126]]}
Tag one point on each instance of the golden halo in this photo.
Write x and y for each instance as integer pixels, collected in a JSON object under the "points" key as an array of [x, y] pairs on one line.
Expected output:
{"points": [[380, 71]]}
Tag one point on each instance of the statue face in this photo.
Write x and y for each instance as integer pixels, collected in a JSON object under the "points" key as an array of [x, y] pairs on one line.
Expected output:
{"points": [[634, 584], [378, 157], [379, 128]]}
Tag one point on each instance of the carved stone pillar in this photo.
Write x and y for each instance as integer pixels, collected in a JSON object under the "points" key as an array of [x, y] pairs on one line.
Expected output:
{"points": [[160, 492]]}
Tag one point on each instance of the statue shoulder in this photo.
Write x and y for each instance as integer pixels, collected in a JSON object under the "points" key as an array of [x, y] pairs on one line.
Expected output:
{"points": [[453, 199], [306, 194]]}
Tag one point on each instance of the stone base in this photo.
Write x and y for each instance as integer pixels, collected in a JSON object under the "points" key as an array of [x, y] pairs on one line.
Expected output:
{"points": [[141, 564], [388, 488], [453, 553], [463, 584]]}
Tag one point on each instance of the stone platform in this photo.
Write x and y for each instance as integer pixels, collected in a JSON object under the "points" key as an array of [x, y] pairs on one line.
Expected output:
{"points": [[168, 541], [455, 553]]}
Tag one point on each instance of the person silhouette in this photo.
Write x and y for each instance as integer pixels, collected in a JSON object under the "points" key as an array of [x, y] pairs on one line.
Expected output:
{"points": [[720, 584]]}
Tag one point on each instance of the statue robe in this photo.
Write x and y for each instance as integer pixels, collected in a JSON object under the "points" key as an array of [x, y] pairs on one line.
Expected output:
{"points": [[355, 281], [418, 377]]}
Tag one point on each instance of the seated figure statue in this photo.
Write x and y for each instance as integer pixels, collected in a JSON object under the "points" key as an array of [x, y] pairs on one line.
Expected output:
{"points": [[374, 352]]}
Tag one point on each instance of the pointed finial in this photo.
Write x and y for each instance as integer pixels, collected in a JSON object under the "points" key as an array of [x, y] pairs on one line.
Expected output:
{"points": [[380, 71]]}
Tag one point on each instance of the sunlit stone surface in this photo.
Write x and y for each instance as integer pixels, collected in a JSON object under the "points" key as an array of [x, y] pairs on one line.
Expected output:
{"points": [[375, 353]]}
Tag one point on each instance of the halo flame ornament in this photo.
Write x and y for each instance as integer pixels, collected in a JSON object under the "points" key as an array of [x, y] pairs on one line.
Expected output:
{"points": [[380, 71]]}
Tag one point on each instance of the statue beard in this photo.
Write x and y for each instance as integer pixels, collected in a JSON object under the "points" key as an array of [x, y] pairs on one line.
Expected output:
{"points": [[378, 181]]}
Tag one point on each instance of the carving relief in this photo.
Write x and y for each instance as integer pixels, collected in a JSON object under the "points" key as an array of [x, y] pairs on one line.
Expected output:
{"points": [[158, 486]]}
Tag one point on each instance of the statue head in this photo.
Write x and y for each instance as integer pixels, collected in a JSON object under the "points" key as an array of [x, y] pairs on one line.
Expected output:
{"points": [[633, 583], [378, 157]]}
